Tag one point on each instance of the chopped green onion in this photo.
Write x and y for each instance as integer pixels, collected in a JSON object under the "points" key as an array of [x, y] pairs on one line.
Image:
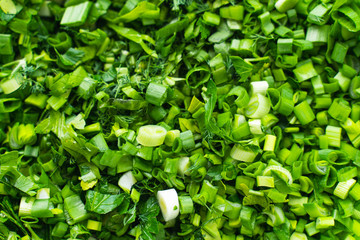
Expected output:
{"points": [[342, 188], [195, 105], [317, 85], [211, 18], [186, 204], [169, 204], [339, 110], [266, 25], [355, 192], [265, 181], [76, 208], [280, 103], [334, 135], [6, 47], [156, 94], [242, 99], [218, 69], [347, 17], [346, 173], [259, 87], [298, 236], [187, 140], [258, 106], [285, 5], [59, 230], [242, 154], [26, 204], [320, 14], [94, 225], [37, 100], [284, 46], [255, 126], [280, 171], [269, 144], [76, 15], [311, 229], [235, 12], [304, 113], [304, 71], [126, 181], [318, 34], [151, 135], [324, 222]]}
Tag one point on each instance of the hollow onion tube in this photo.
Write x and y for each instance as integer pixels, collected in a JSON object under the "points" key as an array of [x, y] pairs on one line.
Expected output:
{"points": [[195, 105], [187, 140], [235, 12], [266, 25], [304, 113], [26, 204], [276, 215], [265, 181], [183, 166], [156, 94], [348, 18], [339, 109], [248, 216], [352, 129], [354, 86], [310, 229], [281, 171], [254, 169], [186, 204], [258, 106], [169, 203], [241, 153], [207, 193], [151, 135], [334, 135], [242, 99], [329, 179], [270, 141], [305, 159], [320, 14], [306, 185], [171, 165], [255, 126], [336, 157], [279, 103], [171, 136], [197, 76]]}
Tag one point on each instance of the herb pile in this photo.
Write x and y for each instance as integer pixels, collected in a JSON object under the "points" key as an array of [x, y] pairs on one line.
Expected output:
{"points": [[180, 119]]}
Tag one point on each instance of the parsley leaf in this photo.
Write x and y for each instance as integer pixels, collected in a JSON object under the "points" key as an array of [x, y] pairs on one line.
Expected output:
{"points": [[102, 203], [204, 29]]}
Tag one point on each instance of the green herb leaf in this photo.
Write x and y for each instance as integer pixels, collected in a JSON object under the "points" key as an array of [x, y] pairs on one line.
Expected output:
{"points": [[102, 203]]}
